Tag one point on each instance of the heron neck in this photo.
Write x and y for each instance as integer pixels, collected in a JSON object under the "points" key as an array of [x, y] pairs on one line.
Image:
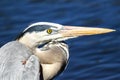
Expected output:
{"points": [[29, 41]]}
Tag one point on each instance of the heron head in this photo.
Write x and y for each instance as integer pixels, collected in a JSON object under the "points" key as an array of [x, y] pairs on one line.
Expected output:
{"points": [[42, 32]]}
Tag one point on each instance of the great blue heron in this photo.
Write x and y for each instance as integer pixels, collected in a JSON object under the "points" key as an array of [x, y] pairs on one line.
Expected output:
{"points": [[23, 59]]}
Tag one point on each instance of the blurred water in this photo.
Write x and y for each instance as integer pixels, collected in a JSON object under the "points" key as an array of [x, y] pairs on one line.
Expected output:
{"points": [[91, 57]]}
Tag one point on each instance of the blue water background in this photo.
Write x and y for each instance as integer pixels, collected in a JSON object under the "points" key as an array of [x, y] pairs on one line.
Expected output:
{"points": [[94, 57]]}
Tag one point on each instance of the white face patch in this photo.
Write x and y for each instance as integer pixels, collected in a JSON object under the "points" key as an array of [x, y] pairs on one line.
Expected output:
{"points": [[38, 33], [42, 36]]}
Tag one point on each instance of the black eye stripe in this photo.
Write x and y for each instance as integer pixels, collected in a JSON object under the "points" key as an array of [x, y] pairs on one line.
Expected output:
{"points": [[38, 28]]}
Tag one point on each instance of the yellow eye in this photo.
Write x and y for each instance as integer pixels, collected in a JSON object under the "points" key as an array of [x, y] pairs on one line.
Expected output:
{"points": [[49, 31]]}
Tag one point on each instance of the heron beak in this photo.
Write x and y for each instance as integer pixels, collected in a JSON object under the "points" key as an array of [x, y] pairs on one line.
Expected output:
{"points": [[75, 31]]}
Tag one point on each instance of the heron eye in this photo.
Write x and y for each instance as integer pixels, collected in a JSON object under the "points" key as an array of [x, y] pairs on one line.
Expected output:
{"points": [[49, 31]]}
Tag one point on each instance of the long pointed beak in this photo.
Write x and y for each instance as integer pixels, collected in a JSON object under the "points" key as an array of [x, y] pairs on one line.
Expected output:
{"points": [[74, 31]]}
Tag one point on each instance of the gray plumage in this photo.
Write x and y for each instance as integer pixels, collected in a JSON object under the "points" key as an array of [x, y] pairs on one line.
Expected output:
{"points": [[13, 54], [11, 64]]}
